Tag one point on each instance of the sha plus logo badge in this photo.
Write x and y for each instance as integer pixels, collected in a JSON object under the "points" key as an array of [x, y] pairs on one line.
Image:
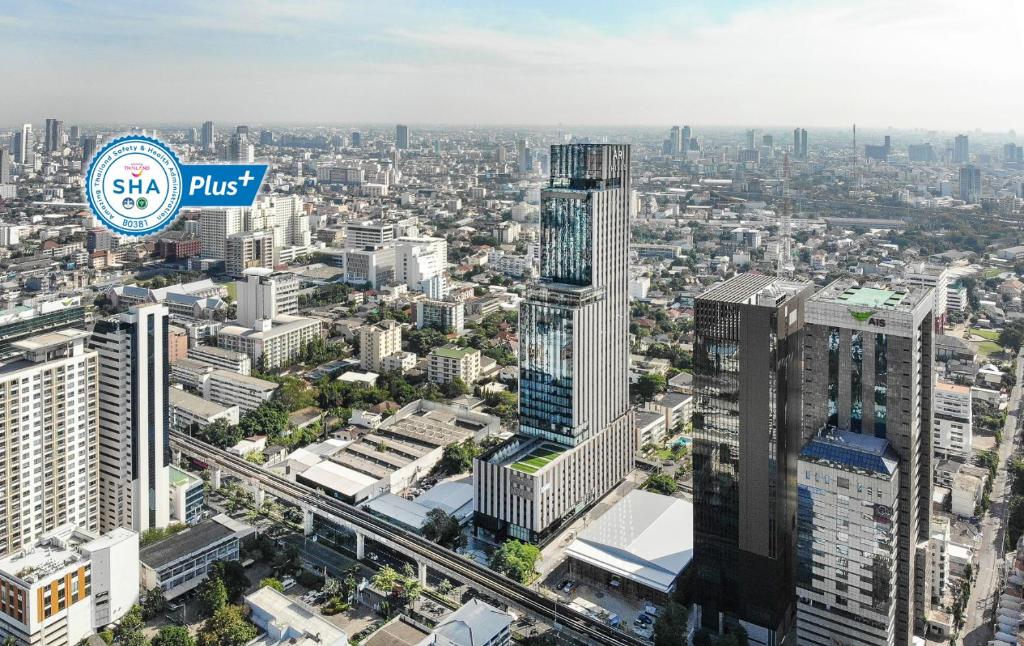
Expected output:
{"points": [[134, 185]]}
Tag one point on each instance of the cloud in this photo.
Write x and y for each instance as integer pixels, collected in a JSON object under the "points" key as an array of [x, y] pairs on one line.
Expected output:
{"points": [[928, 63]]}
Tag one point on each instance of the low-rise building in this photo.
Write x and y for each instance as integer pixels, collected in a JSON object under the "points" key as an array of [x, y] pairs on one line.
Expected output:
{"points": [[188, 496], [450, 362], [180, 562], [72, 583], [230, 388], [186, 409], [476, 623], [445, 316], [286, 622], [221, 358], [271, 344]]}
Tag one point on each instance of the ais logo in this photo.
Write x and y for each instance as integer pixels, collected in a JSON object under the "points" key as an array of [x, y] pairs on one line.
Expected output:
{"points": [[869, 317]]}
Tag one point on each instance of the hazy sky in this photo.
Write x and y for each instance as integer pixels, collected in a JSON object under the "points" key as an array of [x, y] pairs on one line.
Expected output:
{"points": [[945, 64]]}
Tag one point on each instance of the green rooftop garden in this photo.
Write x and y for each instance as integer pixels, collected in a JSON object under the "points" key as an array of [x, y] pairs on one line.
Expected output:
{"points": [[538, 458]]}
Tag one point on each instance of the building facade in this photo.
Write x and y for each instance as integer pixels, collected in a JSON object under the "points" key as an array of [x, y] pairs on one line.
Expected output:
{"points": [[746, 435], [952, 433]]}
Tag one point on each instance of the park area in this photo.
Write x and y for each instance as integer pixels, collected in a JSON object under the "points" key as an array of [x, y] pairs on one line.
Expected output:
{"points": [[538, 458]]}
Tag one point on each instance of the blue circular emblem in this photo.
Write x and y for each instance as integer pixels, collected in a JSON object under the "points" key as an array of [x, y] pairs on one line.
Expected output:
{"points": [[134, 185]]}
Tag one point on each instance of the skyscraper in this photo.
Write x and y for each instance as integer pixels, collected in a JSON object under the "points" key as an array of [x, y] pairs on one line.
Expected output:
{"points": [[401, 137], [357, 139], [961, 150], [970, 184], [868, 369], [54, 136], [88, 150], [50, 441], [208, 139], [803, 144], [575, 440], [5, 166], [240, 149], [23, 143], [133, 409], [686, 143], [746, 429], [676, 140]]}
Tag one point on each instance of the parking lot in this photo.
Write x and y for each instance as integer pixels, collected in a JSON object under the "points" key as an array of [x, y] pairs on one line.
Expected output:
{"points": [[591, 593]]}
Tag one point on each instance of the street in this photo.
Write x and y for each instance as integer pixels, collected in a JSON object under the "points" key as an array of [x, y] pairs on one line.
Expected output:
{"points": [[977, 629]]}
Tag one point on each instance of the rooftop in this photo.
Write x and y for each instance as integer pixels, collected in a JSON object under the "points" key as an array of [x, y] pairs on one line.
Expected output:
{"points": [[289, 622], [194, 539], [853, 451], [451, 352], [195, 405], [645, 537], [848, 292], [754, 289], [476, 622]]}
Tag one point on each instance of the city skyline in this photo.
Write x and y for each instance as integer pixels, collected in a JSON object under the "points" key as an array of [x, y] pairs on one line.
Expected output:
{"points": [[817, 64]]}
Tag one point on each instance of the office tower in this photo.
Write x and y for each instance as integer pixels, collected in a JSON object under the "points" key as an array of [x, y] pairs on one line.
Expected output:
{"points": [[921, 153], [847, 543], [23, 143], [868, 369], [88, 150], [208, 137], [855, 141], [746, 430], [357, 139], [133, 418], [500, 155], [575, 439], [751, 136], [525, 157], [75, 135], [687, 144], [5, 166], [54, 135], [768, 141], [248, 250], [215, 225], [242, 130], [803, 144], [239, 150], [796, 143], [50, 440], [970, 184], [961, 150], [401, 137], [266, 294], [378, 341], [676, 140], [266, 137], [193, 136]]}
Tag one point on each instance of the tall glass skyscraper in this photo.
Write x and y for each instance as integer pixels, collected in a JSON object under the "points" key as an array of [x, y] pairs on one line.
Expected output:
{"points": [[575, 438], [746, 427]]}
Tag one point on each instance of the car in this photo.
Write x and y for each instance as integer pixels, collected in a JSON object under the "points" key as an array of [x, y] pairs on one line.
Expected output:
{"points": [[562, 584], [175, 606], [643, 619], [288, 583]]}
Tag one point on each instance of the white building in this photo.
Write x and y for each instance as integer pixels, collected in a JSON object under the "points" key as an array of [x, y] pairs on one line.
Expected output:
{"points": [[133, 413], [271, 343], [221, 358], [449, 363], [286, 622], [230, 389], [378, 341], [848, 492], [48, 392], [215, 225], [265, 294], [419, 262], [952, 432], [186, 409], [248, 250], [445, 316], [935, 276], [71, 584]]}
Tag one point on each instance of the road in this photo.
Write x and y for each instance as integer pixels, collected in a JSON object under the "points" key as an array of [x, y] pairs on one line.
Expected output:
{"points": [[977, 628], [488, 583]]}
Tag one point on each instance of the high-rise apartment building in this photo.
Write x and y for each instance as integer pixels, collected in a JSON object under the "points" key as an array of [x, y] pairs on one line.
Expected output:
{"points": [[675, 137], [746, 430], [248, 250], [215, 225], [868, 369], [525, 157], [89, 145], [378, 341], [240, 149], [23, 145], [265, 294], [49, 435], [133, 407], [401, 137], [961, 150], [208, 137], [575, 439], [952, 433]]}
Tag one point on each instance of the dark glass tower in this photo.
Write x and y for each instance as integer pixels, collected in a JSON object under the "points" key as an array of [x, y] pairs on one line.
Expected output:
{"points": [[746, 429]]}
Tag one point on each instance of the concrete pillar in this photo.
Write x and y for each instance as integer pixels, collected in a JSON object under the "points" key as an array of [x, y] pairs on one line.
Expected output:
{"points": [[360, 546], [215, 475], [307, 522], [258, 496], [422, 571], [175, 457]]}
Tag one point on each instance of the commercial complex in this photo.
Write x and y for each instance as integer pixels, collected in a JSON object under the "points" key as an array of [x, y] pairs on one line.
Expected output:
{"points": [[746, 431], [575, 439], [868, 355]]}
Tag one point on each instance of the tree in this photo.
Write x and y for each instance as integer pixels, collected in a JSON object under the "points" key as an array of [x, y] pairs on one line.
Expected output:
{"points": [[650, 385], [173, 636], [385, 579], [504, 405], [218, 433], [515, 560], [227, 627], [294, 394], [661, 483], [233, 575], [153, 603], [455, 388], [458, 458], [268, 419], [1012, 335], [129, 631], [670, 627], [213, 595], [423, 341], [272, 583], [444, 529]]}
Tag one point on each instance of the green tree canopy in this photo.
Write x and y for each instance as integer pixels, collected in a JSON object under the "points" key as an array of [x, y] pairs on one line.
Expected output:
{"points": [[444, 529], [173, 636], [227, 627], [516, 560]]}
